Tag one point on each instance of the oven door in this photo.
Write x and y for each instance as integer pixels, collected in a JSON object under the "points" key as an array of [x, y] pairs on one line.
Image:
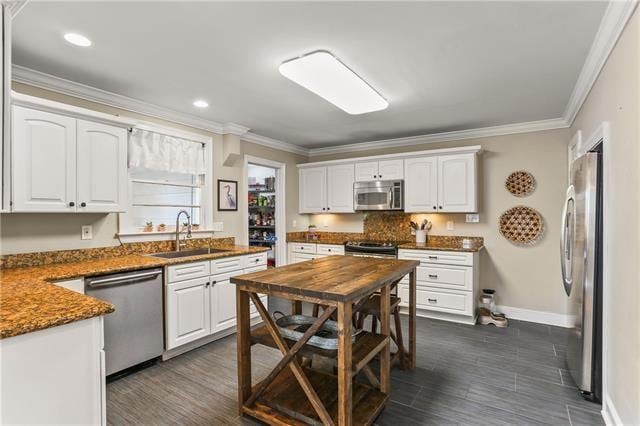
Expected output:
{"points": [[372, 196]]}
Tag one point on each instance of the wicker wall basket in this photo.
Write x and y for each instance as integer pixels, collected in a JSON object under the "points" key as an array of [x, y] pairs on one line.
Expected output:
{"points": [[521, 225], [520, 183]]}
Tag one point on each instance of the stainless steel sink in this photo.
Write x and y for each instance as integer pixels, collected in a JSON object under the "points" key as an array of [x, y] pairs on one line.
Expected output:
{"points": [[187, 253]]}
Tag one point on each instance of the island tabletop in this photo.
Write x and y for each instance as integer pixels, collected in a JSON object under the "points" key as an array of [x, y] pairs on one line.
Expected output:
{"points": [[300, 394]]}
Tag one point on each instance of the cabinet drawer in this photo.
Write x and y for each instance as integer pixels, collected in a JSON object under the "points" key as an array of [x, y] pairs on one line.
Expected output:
{"points": [[254, 269], [303, 257], [329, 249], [437, 257], [188, 271], [226, 264], [303, 247], [454, 277], [438, 299], [255, 260]]}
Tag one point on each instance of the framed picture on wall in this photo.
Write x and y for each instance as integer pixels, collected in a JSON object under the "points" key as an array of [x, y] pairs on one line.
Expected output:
{"points": [[227, 195]]}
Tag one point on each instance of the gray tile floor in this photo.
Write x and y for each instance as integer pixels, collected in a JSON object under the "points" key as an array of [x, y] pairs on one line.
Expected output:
{"points": [[471, 375]]}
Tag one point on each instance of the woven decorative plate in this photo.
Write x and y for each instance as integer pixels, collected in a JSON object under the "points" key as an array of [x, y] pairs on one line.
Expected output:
{"points": [[521, 225], [520, 183]]}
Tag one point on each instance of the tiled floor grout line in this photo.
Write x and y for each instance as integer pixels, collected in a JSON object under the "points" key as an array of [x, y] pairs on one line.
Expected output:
{"points": [[561, 378], [554, 349], [568, 414]]}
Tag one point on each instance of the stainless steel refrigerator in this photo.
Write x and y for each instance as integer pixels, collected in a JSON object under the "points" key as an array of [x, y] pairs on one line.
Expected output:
{"points": [[581, 251]]}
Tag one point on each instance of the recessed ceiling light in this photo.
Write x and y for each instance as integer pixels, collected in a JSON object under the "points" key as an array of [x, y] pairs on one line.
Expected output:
{"points": [[200, 103], [77, 39], [323, 74]]}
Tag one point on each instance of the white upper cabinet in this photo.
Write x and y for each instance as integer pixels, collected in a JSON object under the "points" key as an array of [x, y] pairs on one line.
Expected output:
{"points": [[340, 180], [366, 171], [390, 169], [44, 161], [421, 184], [102, 167], [313, 190], [379, 170], [457, 186], [61, 163]]}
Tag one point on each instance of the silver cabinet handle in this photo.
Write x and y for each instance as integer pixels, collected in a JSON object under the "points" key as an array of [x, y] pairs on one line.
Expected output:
{"points": [[433, 300], [433, 276], [433, 257], [123, 280]]}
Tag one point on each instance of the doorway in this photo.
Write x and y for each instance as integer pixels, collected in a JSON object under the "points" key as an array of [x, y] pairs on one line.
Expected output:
{"points": [[264, 218]]}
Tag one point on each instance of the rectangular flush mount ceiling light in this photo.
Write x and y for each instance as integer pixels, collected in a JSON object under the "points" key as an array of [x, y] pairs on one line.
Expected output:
{"points": [[323, 74]]}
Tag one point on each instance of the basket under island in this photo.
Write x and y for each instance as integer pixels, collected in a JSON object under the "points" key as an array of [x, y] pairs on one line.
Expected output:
{"points": [[296, 394]]}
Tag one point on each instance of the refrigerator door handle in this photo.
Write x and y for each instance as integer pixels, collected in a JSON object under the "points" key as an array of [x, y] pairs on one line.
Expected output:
{"points": [[566, 241]]}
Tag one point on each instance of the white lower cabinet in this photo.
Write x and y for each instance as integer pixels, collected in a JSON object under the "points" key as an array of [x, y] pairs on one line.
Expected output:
{"points": [[446, 284], [301, 252], [200, 302], [54, 376], [188, 310]]}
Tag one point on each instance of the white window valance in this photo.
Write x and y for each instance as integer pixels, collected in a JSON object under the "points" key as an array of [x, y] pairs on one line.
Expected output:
{"points": [[156, 151]]}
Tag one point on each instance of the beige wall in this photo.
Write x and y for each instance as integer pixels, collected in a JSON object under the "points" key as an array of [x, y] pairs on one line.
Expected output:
{"points": [[27, 232], [615, 98], [526, 278]]}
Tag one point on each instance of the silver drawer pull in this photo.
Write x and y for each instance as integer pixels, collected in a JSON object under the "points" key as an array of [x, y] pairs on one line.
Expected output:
{"points": [[433, 257], [433, 276], [433, 300]]}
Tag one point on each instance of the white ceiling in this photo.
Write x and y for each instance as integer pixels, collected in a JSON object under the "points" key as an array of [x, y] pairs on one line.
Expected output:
{"points": [[443, 66]]}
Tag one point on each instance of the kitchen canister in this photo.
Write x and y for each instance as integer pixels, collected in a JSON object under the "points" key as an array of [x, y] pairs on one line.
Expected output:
{"points": [[421, 236]]}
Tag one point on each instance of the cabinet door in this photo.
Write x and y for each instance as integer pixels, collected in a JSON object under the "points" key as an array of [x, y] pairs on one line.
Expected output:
{"points": [[102, 167], [391, 169], [188, 311], [44, 161], [421, 184], [457, 191], [366, 172], [313, 190], [340, 188], [223, 302]]}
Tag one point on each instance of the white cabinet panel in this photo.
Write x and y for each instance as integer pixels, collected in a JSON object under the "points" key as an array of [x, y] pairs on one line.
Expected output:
{"points": [[340, 180], [421, 184], [255, 260], [188, 311], [44, 161], [391, 169], [366, 171], [313, 190], [102, 167], [330, 249], [303, 257], [302, 247], [227, 264], [457, 183], [223, 302], [185, 271]]}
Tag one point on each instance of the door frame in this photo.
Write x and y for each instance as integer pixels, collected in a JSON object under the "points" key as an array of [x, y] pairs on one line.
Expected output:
{"points": [[281, 220]]}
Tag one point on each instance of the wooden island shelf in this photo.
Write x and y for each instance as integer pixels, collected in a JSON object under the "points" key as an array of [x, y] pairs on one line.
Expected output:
{"points": [[295, 394]]}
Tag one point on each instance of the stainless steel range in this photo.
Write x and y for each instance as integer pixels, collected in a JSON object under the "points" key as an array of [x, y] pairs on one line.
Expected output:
{"points": [[371, 249]]}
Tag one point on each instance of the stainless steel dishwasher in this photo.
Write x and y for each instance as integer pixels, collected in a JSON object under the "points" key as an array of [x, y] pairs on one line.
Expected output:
{"points": [[134, 332]]}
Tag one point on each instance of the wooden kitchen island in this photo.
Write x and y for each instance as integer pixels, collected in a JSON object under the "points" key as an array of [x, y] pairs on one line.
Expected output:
{"points": [[300, 395]]}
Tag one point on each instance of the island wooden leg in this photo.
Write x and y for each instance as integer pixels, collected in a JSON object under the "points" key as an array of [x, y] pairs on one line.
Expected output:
{"points": [[412, 319], [344, 364], [296, 307], [385, 330], [243, 336]]}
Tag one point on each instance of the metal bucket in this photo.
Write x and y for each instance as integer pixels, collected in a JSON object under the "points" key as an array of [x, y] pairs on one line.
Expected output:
{"points": [[293, 327]]}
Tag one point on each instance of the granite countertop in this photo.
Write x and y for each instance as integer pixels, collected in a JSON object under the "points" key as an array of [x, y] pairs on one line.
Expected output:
{"points": [[30, 302], [440, 246]]}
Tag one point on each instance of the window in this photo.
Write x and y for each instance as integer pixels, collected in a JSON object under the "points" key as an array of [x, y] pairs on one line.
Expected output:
{"points": [[166, 175]]}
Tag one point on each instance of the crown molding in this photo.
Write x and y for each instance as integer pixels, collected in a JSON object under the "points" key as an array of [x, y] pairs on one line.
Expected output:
{"points": [[482, 132], [14, 7], [276, 144], [611, 26], [88, 93], [234, 129]]}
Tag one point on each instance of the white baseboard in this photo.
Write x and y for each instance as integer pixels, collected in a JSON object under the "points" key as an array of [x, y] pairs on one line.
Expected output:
{"points": [[542, 317], [609, 412]]}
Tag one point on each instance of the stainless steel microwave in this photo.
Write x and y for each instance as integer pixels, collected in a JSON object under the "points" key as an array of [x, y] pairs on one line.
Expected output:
{"points": [[379, 195]]}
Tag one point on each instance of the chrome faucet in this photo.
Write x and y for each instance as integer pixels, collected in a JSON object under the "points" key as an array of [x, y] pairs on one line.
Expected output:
{"points": [[178, 244]]}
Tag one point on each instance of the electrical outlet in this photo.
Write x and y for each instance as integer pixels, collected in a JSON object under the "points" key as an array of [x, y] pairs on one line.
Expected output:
{"points": [[325, 223], [295, 223], [450, 225], [87, 232], [473, 218]]}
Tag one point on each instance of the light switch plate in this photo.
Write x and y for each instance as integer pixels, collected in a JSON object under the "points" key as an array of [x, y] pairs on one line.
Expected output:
{"points": [[87, 232], [295, 223], [450, 225], [217, 226], [473, 218]]}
